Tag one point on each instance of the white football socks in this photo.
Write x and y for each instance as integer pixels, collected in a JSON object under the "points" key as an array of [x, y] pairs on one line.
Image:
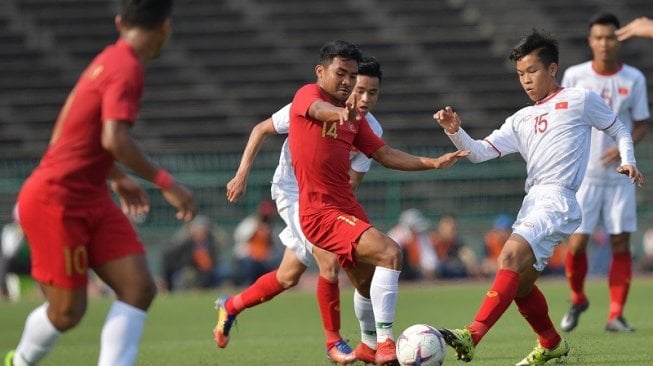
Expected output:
{"points": [[39, 336], [383, 293], [121, 335], [365, 315]]}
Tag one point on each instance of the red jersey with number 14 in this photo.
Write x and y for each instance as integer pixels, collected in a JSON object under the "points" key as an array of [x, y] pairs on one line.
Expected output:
{"points": [[320, 153], [75, 166]]}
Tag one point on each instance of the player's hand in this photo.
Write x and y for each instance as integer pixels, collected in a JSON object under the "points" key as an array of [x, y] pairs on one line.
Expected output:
{"points": [[134, 201], [182, 199], [640, 27], [350, 112], [449, 159], [633, 173], [610, 156], [236, 188], [448, 119]]}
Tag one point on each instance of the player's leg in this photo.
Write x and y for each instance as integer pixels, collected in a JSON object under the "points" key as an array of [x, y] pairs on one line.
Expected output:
{"points": [[377, 249], [328, 298], [131, 280], [576, 272], [62, 311], [590, 199], [619, 277], [621, 220], [59, 266], [118, 258], [265, 288], [361, 277], [532, 305]]}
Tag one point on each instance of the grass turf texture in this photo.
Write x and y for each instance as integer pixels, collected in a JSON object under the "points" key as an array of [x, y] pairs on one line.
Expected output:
{"points": [[287, 330]]}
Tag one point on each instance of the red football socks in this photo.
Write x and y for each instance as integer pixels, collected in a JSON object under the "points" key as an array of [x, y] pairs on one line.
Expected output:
{"points": [[619, 282], [496, 302], [328, 300], [535, 310], [265, 288], [576, 271]]}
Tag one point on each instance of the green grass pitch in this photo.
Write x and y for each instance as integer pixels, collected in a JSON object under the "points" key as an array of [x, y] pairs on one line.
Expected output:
{"points": [[287, 330]]}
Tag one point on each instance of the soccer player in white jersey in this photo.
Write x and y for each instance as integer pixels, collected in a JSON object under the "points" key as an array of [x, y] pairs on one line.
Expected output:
{"points": [[606, 195], [553, 137], [299, 252]]}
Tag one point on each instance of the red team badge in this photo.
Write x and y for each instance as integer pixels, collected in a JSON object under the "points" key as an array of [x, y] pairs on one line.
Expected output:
{"points": [[623, 91], [562, 105]]}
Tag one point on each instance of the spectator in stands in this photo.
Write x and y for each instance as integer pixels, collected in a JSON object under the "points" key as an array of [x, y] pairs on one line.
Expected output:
{"points": [[192, 261], [645, 263], [254, 240], [493, 243], [14, 260], [456, 260], [412, 235], [640, 27], [65, 207], [605, 195]]}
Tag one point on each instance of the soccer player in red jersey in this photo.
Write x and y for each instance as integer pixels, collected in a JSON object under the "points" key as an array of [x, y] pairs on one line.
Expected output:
{"points": [[323, 130], [65, 208]]}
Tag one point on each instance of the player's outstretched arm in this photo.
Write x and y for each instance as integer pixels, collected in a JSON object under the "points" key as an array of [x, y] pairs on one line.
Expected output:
{"points": [[327, 112], [116, 140], [397, 159], [238, 184], [640, 27]]}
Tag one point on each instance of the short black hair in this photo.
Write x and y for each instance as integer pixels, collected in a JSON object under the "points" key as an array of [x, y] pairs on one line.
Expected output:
{"points": [[343, 49], [369, 66], [545, 45], [147, 14], [604, 19]]}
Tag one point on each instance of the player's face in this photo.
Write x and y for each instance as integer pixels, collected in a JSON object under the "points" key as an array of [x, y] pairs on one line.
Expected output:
{"points": [[603, 42], [337, 79], [160, 38], [537, 79], [367, 90]]}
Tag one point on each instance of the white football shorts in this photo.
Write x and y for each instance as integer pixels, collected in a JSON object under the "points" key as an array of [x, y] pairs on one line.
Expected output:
{"points": [[615, 204], [548, 215], [293, 237]]}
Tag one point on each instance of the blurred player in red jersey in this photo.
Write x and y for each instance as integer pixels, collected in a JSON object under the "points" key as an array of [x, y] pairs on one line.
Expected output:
{"points": [[553, 137], [65, 208], [299, 253], [323, 130], [605, 195]]}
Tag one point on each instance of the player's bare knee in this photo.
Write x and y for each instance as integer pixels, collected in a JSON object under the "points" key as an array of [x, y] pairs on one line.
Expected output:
{"points": [[139, 295], [392, 256], [66, 318], [288, 281]]}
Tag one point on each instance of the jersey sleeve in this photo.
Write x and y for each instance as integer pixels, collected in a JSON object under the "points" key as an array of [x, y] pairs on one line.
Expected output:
{"points": [[121, 97], [366, 141], [597, 112], [640, 110], [304, 98], [281, 119]]}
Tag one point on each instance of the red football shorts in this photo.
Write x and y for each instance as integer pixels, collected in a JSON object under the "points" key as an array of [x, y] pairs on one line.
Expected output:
{"points": [[66, 241], [336, 231]]}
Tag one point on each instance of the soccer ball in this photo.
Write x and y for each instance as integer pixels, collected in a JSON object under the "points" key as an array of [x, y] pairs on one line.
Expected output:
{"points": [[420, 345]]}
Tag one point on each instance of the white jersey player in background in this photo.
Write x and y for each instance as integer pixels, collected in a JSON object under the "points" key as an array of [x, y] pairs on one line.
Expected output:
{"points": [[553, 137], [606, 195], [299, 253]]}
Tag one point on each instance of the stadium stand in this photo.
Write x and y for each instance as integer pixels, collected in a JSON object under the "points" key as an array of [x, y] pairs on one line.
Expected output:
{"points": [[232, 63]]}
